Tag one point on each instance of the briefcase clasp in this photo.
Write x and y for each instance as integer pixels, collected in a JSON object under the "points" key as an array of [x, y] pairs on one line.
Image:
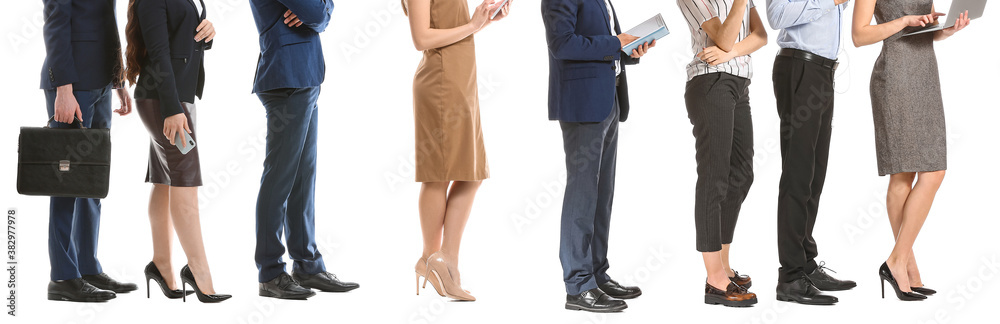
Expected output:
{"points": [[64, 165]]}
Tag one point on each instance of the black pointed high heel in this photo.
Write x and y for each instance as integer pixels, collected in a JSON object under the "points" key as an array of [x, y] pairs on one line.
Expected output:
{"points": [[187, 278], [924, 290], [886, 275], [153, 273]]}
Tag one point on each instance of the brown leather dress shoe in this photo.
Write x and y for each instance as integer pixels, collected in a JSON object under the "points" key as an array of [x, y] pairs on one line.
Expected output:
{"points": [[734, 296], [742, 280]]}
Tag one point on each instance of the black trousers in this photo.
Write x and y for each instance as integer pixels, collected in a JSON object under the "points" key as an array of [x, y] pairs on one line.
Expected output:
{"points": [[804, 93], [718, 106]]}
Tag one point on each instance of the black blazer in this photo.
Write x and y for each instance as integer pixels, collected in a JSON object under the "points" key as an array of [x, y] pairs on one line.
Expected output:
{"points": [[81, 44], [174, 69]]}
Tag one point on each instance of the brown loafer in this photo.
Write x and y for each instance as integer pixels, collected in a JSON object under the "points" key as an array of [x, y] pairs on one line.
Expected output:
{"points": [[734, 296], [742, 280]]}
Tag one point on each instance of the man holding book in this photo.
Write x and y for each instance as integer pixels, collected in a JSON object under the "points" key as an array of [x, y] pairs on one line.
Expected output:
{"points": [[588, 95]]}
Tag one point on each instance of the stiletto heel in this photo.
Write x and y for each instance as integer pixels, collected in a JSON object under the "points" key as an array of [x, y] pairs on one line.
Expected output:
{"points": [[153, 273], [418, 283], [445, 280], [886, 275], [188, 278]]}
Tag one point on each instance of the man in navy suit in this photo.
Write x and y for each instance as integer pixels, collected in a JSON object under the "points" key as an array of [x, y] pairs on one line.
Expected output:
{"points": [[289, 73], [588, 95], [82, 67]]}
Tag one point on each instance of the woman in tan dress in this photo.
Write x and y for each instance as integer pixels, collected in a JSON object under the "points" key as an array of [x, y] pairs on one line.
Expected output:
{"points": [[449, 139]]}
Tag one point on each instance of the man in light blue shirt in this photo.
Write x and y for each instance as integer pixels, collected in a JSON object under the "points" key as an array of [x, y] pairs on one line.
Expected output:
{"points": [[809, 37]]}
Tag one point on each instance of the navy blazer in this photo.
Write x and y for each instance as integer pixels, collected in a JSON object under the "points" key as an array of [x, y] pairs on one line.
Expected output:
{"points": [[174, 69], [81, 44], [581, 61], [290, 57]]}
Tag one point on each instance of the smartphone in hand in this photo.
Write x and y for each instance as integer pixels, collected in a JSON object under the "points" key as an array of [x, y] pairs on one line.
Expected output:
{"points": [[184, 142]]}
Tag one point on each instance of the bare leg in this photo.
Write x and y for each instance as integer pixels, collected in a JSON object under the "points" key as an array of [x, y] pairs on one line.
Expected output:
{"points": [[915, 210], [184, 209], [725, 261], [162, 228], [433, 204], [716, 272], [900, 186], [460, 199]]}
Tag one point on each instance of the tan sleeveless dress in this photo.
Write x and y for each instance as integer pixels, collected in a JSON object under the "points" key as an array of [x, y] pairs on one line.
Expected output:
{"points": [[449, 139]]}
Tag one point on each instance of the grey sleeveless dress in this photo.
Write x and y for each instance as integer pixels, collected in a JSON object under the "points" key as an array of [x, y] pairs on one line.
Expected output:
{"points": [[910, 133]]}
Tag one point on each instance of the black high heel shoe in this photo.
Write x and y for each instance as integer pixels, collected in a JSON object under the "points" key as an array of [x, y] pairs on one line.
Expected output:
{"points": [[187, 278], [924, 290], [886, 275], [153, 273]]}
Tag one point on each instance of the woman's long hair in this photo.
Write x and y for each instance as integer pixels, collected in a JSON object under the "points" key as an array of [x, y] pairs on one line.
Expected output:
{"points": [[135, 52]]}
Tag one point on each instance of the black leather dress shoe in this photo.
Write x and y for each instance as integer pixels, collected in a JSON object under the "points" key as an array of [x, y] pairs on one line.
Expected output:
{"points": [[284, 287], [802, 291], [613, 289], [823, 281], [596, 301], [324, 281], [102, 281], [78, 290]]}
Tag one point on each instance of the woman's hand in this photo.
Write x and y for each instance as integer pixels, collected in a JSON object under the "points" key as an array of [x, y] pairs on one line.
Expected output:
{"points": [[921, 20], [481, 16], [503, 11], [205, 31], [173, 125], [962, 22], [715, 56], [125, 100], [642, 49]]}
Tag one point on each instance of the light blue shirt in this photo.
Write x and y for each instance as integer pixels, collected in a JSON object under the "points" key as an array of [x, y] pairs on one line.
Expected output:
{"points": [[810, 25]]}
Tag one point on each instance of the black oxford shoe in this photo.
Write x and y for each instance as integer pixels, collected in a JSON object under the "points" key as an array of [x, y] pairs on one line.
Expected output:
{"points": [[596, 301], [823, 281], [78, 290], [284, 287], [616, 290], [802, 291], [102, 281], [324, 281]]}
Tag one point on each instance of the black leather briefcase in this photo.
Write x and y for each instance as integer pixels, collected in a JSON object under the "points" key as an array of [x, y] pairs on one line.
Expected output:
{"points": [[64, 162]]}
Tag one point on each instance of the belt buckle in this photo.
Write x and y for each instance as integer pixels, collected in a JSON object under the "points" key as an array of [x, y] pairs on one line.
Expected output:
{"points": [[64, 165]]}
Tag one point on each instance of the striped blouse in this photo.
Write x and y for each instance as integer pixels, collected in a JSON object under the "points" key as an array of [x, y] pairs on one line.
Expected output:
{"points": [[698, 12]]}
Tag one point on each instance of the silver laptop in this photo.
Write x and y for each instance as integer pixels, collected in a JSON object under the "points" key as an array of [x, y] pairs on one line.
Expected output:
{"points": [[975, 8]]}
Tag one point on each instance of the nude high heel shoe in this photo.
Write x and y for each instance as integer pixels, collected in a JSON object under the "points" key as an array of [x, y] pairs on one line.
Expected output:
{"points": [[421, 271], [444, 278]]}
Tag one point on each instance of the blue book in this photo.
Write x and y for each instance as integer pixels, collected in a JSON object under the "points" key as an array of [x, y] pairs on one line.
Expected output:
{"points": [[650, 30]]}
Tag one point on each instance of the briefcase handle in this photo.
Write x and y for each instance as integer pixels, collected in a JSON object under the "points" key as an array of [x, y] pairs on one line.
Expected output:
{"points": [[76, 121]]}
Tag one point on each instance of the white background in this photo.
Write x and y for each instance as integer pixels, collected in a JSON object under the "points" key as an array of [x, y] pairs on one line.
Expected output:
{"points": [[367, 223]]}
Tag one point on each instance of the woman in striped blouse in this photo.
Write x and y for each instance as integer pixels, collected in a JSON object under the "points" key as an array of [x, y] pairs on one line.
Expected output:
{"points": [[723, 34]]}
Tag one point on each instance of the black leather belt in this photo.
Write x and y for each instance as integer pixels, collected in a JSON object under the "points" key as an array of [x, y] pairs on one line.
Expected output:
{"points": [[809, 57]]}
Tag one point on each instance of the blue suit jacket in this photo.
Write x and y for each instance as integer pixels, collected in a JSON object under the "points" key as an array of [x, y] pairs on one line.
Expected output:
{"points": [[81, 44], [290, 57], [581, 61]]}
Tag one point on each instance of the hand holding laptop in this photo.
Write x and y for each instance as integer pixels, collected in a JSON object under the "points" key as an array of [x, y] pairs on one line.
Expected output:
{"points": [[960, 23]]}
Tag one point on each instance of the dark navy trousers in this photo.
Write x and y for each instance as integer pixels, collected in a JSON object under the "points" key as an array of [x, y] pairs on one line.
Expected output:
{"points": [[285, 203], [74, 223], [591, 152]]}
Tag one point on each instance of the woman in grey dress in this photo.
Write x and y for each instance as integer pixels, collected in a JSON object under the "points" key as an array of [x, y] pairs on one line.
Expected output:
{"points": [[909, 124]]}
